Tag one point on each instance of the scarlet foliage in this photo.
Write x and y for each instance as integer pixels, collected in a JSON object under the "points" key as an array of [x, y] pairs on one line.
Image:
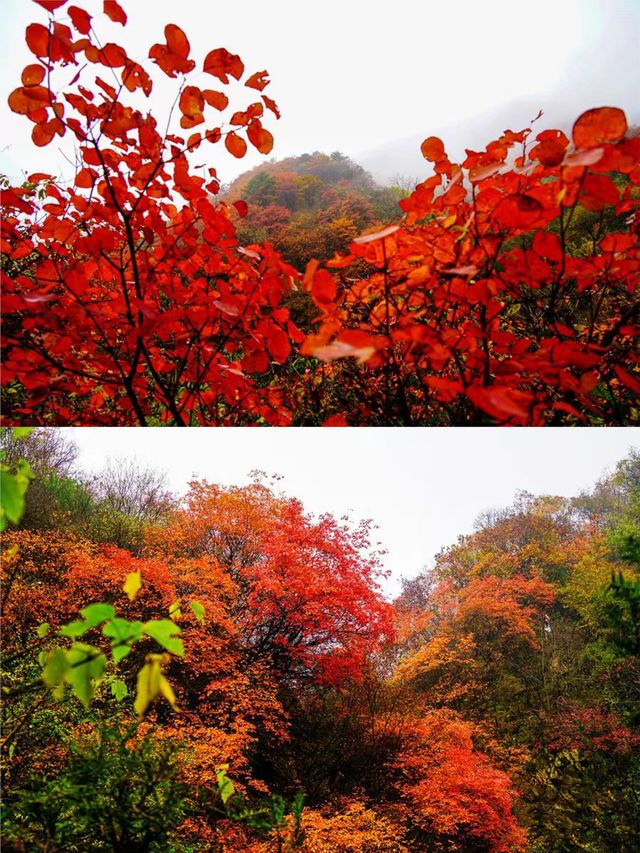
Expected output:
{"points": [[287, 600], [127, 296], [129, 300], [308, 600], [479, 308], [591, 730], [223, 695], [457, 797]]}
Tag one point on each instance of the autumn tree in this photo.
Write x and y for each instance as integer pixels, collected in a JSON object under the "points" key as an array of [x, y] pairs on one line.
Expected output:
{"points": [[308, 597], [166, 318], [478, 308]]}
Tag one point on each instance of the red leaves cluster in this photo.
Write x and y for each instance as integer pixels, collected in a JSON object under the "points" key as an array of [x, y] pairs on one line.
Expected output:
{"points": [[173, 57], [308, 599], [127, 298], [454, 791], [121, 305], [478, 308]]}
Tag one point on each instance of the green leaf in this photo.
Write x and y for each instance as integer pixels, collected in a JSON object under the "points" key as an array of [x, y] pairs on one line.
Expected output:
{"points": [[123, 634], [162, 631], [298, 805], [87, 666], [97, 613], [225, 785], [75, 629], [11, 497], [93, 614], [22, 432], [43, 629], [119, 689], [55, 667], [198, 610]]}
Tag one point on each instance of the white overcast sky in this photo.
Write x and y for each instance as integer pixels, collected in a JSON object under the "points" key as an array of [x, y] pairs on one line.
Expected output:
{"points": [[358, 75], [423, 487]]}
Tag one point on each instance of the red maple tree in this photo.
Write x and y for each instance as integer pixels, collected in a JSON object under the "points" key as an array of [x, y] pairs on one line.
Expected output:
{"points": [[127, 296]]}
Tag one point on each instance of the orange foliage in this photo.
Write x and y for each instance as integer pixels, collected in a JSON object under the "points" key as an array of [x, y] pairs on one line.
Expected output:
{"points": [[164, 314], [476, 311], [456, 796], [308, 598]]}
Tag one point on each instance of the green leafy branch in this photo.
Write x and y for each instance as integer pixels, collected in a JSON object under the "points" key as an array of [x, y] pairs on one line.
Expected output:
{"points": [[13, 485], [83, 666]]}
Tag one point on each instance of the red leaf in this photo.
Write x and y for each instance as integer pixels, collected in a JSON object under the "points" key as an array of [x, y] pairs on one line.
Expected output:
{"points": [[114, 11], [220, 63], [336, 421], [518, 211], [217, 100], [51, 5], [323, 287], [279, 344], [627, 379], [259, 137], [172, 57], [617, 242], [32, 75], [549, 153], [501, 402], [551, 148], [37, 38], [42, 134], [259, 80], [27, 99], [85, 178], [597, 192], [112, 55], [214, 135], [177, 41], [191, 105], [135, 77], [235, 144], [80, 19], [548, 246], [598, 126], [432, 149], [271, 105]]}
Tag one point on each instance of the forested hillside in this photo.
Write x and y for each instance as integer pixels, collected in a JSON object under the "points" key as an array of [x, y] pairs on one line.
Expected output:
{"points": [[311, 206], [220, 671]]}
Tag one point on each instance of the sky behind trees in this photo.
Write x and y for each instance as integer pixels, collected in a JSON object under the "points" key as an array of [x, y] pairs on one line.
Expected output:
{"points": [[422, 487], [360, 76]]}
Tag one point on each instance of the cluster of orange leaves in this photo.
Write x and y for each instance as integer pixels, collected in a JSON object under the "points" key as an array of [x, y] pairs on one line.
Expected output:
{"points": [[121, 304], [454, 791], [127, 296], [474, 306], [286, 598]]}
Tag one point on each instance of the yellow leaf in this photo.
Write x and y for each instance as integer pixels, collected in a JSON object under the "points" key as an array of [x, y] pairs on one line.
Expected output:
{"points": [[151, 683], [132, 584], [175, 612], [167, 691]]}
